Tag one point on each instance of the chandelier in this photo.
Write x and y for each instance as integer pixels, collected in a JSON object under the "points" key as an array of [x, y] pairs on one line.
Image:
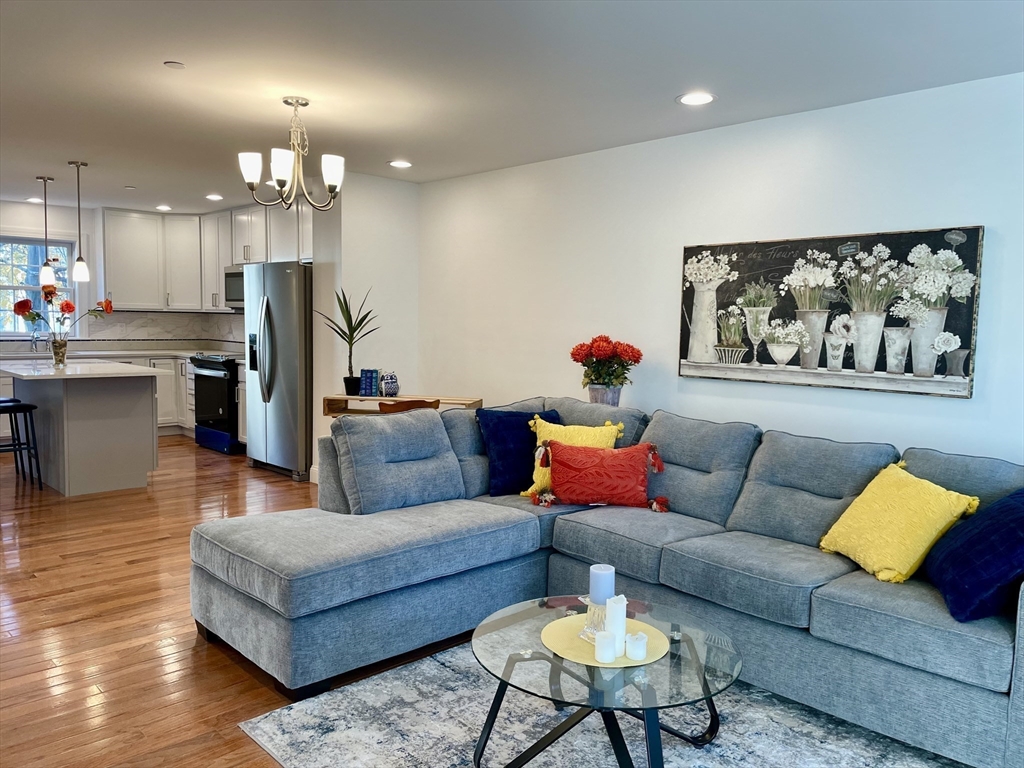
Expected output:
{"points": [[286, 166]]}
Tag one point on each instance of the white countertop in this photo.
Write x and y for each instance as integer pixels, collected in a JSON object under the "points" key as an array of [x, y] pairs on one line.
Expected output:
{"points": [[39, 370]]}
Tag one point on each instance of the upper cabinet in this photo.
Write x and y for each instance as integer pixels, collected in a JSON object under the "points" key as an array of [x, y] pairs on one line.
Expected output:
{"points": [[249, 235], [283, 233], [216, 256], [133, 259], [183, 265]]}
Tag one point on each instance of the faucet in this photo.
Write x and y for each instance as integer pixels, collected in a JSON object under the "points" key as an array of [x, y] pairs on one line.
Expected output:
{"points": [[36, 338]]}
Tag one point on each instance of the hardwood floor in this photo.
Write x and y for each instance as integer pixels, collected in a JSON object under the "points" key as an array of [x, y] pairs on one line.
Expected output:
{"points": [[100, 663]]}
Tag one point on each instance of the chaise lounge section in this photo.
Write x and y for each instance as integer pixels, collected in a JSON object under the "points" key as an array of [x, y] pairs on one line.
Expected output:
{"points": [[407, 549]]}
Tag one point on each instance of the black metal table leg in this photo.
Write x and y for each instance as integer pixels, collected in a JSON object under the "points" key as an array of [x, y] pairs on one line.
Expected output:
{"points": [[555, 681], [652, 733], [551, 737], [618, 743]]}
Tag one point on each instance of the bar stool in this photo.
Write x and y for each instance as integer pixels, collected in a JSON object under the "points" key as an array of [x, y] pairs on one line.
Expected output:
{"points": [[18, 445]]}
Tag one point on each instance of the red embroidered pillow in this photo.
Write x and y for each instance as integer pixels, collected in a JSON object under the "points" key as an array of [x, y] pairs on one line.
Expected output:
{"points": [[601, 475]]}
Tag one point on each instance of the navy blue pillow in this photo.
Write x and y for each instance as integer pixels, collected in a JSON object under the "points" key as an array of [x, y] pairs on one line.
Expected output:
{"points": [[979, 564], [510, 445]]}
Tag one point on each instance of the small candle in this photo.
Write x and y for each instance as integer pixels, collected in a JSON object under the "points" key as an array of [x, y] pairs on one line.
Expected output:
{"points": [[636, 646], [615, 622], [604, 647], [602, 583]]}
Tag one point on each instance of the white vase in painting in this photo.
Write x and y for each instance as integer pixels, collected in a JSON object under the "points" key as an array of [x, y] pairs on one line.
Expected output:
{"points": [[782, 353], [869, 335], [814, 323], [757, 325], [923, 357], [704, 328], [897, 342], [835, 349]]}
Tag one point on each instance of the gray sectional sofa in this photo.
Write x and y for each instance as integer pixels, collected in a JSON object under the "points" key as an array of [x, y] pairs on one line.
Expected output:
{"points": [[407, 549]]}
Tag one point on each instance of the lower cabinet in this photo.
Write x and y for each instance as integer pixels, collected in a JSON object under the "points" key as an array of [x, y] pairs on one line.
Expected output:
{"points": [[166, 391], [241, 411], [186, 395], [6, 390]]}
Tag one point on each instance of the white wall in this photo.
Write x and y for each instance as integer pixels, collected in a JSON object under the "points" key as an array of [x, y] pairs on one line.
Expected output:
{"points": [[372, 242], [520, 264]]}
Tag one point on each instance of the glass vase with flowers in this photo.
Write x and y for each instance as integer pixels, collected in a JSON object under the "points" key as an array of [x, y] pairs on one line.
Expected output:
{"points": [[58, 316]]}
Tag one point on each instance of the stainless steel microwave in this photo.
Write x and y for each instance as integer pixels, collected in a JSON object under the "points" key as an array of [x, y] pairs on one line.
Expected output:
{"points": [[234, 287]]}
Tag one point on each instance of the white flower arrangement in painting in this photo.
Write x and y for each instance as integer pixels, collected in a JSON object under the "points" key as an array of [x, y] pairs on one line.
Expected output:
{"points": [[707, 268], [933, 279], [787, 332], [871, 280], [812, 280], [914, 311], [945, 342], [845, 328], [730, 326]]}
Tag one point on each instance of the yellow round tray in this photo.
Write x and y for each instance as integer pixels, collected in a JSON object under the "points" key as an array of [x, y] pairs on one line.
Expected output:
{"points": [[562, 636]]}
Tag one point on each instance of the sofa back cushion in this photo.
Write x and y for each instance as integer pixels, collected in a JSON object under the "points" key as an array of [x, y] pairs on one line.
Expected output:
{"points": [[988, 479], [578, 413], [797, 487], [468, 442], [330, 495], [394, 461], [705, 463]]}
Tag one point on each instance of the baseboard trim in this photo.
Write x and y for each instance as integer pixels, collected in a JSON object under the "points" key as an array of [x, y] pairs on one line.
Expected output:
{"points": [[314, 475]]}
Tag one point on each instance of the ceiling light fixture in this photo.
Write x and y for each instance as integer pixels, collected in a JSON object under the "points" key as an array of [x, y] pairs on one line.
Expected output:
{"points": [[164, 208], [286, 166], [214, 197], [80, 272], [46, 275], [695, 98], [174, 65], [400, 164], [33, 199], [129, 186]]}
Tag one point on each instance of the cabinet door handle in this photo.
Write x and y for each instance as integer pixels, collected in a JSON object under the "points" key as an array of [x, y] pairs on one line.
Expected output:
{"points": [[168, 299], [181, 370], [216, 299], [245, 252]]}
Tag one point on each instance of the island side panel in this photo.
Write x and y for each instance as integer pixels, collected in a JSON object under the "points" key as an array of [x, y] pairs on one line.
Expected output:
{"points": [[48, 397], [111, 431]]}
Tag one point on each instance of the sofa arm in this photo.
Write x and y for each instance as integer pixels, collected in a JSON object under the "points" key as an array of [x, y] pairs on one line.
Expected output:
{"points": [[1015, 725], [330, 494]]}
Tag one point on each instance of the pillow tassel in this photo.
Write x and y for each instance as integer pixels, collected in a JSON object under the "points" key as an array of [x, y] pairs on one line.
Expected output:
{"points": [[657, 464], [543, 455], [659, 504]]}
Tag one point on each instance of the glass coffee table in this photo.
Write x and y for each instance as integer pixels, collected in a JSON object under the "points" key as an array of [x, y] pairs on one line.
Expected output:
{"points": [[701, 663]]}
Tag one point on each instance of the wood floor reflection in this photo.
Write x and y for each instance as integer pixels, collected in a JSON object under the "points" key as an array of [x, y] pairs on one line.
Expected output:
{"points": [[100, 664]]}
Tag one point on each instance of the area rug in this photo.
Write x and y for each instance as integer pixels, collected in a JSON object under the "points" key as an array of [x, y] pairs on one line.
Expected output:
{"points": [[428, 714]]}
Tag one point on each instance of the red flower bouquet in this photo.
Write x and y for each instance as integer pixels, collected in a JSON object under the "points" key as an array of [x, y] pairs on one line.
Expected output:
{"points": [[605, 362]]}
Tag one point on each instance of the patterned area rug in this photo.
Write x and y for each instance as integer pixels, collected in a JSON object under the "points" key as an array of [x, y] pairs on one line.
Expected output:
{"points": [[428, 714]]}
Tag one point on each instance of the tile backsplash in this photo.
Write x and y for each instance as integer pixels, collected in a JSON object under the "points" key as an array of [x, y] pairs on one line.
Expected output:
{"points": [[136, 326]]}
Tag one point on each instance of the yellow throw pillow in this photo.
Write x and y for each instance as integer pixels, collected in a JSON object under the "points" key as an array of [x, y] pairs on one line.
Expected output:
{"points": [[889, 529], [581, 437]]}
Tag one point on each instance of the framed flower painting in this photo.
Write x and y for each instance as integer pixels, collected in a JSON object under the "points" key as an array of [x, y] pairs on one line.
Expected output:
{"points": [[889, 312]]}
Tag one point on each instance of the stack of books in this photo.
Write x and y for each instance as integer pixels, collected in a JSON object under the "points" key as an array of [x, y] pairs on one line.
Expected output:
{"points": [[369, 382]]}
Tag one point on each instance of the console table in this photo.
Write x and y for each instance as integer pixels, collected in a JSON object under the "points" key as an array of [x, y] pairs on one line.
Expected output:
{"points": [[337, 405]]}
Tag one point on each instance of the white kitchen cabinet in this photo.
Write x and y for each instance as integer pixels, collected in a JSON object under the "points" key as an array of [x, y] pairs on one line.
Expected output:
{"points": [[305, 232], [133, 259], [183, 263], [166, 391], [6, 390], [242, 414], [249, 235], [283, 233], [216, 257], [181, 392]]}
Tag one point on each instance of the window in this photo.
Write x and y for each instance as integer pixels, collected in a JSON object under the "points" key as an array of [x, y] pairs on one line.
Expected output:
{"points": [[20, 261]]}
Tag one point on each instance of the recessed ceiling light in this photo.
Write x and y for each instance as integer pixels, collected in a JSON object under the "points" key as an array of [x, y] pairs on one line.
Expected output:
{"points": [[128, 186], [163, 207], [33, 199], [174, 64], [214, 197], [695, 98], [400, 164]]}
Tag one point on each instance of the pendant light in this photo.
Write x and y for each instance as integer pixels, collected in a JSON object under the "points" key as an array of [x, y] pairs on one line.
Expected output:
{"points": [[46, 275], [80, 272]]}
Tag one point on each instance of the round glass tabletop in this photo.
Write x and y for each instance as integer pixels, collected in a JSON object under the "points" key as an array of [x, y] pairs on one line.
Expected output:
{"points": [[701, 661]]}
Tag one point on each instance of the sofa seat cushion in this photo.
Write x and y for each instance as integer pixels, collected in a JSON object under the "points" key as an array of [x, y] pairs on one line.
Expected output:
{"points": [[765, 577], [629, 538], [309, 560], [398, 460], [546, 516], [909, 623]]}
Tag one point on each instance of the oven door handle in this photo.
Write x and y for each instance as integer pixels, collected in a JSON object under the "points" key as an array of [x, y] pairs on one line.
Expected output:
{"points": [[261, 363], [212, 373]]}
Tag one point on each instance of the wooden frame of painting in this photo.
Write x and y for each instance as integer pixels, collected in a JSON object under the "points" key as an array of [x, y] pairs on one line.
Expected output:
{"points": [[889, 311]]}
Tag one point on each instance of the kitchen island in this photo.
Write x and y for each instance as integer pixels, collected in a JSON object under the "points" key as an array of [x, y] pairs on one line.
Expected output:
{"points": [[96, 422]]}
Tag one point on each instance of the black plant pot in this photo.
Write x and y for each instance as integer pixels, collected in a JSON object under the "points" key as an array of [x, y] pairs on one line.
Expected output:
{"points": [[352, 385]]}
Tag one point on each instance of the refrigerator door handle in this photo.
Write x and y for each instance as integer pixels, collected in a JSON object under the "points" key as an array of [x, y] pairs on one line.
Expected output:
{"points": [[260, 351]]}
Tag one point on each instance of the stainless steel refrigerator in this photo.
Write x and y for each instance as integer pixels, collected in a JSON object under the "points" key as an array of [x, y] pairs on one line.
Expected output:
{"points": [[279, 366]]}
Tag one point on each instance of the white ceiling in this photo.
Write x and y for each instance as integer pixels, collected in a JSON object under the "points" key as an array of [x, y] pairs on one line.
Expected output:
{"points": [[455, 87]]}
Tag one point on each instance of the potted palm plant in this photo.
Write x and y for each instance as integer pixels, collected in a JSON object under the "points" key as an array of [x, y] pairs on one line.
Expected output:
{"points": [[352, 329]]}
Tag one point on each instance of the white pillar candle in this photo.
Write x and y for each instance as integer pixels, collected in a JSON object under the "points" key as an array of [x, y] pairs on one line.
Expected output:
{"points": [[602, 583], [636, 646], [604, 647], [615, 622]]}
